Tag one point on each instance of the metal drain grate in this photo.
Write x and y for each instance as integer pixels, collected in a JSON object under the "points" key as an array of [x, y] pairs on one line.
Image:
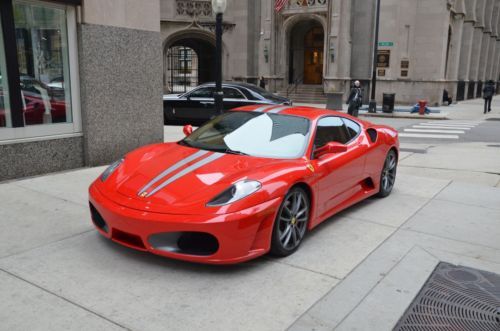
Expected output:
{"points": [[455, 298]]}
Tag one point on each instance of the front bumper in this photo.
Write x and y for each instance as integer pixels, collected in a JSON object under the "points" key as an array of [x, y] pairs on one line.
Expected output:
{"points": [[241, 236]]}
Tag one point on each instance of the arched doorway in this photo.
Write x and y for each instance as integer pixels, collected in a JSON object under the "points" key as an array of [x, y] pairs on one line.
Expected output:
{"points": [[306, 53], [188, 62]]}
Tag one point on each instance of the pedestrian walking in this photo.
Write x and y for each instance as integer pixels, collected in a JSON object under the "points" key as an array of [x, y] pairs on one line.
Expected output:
{"points": [[262, 82], [355, 99], [488, 92]]}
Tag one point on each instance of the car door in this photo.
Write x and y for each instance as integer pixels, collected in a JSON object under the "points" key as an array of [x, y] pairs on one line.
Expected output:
{"points": [[338, 176], [233, 98], [197, 106]]}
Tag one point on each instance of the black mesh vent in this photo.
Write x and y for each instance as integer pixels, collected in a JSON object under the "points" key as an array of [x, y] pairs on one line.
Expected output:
{"points": [[455, 298], [372, 133]]}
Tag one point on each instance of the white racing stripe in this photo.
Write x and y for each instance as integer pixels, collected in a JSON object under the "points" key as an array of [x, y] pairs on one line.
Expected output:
{"points": [[264, 108], [278, 110], [433, 136], [171, 169], [439, 127], [186, 171], [434, 131]]}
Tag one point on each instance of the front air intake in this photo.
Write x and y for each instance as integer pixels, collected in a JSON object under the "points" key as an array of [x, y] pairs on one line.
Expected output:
{"points": [[97, 219], [190, 243]]}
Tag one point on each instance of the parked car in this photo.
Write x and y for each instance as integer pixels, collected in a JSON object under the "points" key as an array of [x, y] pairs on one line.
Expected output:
{"points": [[251, 181], [198, 106]]}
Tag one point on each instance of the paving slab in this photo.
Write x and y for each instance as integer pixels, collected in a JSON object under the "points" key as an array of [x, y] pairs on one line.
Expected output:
{"points": [[30, 219], [338, 245], [69, 186], [146, 292], [27, 307], [393, 211], [457, 221], [382, 308], [479, 178], [419, 186], [471, 194], [475, 157], [172, 133]]}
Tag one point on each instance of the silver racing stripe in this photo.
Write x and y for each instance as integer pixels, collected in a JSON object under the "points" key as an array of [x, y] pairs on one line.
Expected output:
{"points": [[278, 110], [176, 166], [263, 108], [186, 171]]}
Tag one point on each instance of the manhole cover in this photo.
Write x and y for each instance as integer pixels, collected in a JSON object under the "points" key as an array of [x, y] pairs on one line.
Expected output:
{"points": [[493, 119], [455, 298]]}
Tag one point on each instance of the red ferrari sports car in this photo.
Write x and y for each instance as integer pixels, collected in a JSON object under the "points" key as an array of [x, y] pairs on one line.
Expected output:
{"points": [[251, 181]]}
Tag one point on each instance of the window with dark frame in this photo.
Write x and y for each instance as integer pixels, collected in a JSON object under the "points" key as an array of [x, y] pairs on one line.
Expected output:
{"points": [[34, 63]]}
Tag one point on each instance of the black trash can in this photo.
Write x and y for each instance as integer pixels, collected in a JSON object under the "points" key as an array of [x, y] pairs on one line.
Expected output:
{"points": [[388, 102]]}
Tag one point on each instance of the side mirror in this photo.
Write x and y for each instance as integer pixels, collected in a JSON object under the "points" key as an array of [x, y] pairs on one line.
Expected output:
{"points": [[188, 129], [330, 148]]}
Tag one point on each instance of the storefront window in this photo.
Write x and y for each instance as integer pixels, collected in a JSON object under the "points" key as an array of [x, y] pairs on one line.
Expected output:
{"points": [[42, 54], [5, 120]]}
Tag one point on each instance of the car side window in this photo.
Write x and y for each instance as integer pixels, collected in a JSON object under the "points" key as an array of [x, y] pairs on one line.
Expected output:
{"points": [[352, 127], [231, 93], [331, 129], [204, 92]]}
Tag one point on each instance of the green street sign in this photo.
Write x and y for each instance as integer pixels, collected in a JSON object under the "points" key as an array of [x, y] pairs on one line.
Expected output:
{"points": [[386, 44]]}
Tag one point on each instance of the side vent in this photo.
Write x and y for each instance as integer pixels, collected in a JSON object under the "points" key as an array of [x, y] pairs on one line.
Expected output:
{"points": [[372, 133]]}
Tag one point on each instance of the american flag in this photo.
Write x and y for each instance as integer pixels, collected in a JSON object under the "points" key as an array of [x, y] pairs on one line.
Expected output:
{"points": [[279, 4]]}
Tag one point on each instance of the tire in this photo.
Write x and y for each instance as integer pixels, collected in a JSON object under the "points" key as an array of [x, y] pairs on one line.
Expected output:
{"points": [[388, 174], [291, 222]]}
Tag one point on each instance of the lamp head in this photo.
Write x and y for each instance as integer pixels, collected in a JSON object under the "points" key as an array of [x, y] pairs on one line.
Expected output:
{"points": [[219, 6]]}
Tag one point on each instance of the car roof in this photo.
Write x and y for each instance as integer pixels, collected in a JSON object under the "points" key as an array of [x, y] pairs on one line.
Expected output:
{"points": [[232, 84], [310, 113]]}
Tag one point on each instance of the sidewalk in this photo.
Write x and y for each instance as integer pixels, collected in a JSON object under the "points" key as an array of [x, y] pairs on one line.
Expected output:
{"points": [[358, 271], [463, 110]]}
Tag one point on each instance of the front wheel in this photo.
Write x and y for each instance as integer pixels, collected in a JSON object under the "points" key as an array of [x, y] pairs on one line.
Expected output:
{"points": [[290, 225], [388, 175]]}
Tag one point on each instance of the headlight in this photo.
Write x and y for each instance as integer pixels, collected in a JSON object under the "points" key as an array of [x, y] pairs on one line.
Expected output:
{"points": [[111, 169], [236, 192]]}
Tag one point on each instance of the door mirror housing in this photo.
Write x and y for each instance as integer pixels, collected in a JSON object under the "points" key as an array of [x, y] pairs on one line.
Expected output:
{"points": [[330, 148], [188, 129]]}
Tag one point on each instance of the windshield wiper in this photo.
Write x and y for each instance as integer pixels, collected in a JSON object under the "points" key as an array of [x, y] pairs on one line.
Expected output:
{"points": [[185, 143], [230, 151]]}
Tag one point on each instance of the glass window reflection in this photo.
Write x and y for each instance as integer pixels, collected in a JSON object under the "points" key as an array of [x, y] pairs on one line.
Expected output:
{"points": [[5, 120], [42, 48]]}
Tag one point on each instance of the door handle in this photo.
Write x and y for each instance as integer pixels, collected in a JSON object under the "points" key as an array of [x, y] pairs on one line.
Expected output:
{"points": [[208, 103]]}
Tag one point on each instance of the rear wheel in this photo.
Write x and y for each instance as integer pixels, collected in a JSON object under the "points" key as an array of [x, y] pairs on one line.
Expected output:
{"points": [[388, 175], [290, 225]]}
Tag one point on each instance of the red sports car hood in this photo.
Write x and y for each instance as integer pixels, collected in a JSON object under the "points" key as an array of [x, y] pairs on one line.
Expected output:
{"points": [[170, 178]]}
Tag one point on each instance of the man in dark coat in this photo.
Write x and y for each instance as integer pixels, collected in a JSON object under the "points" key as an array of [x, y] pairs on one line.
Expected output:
{"points": [[355, 99], [488, 92]]}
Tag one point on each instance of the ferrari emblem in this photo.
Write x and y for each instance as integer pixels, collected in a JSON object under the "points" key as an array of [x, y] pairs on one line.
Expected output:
{"points": [[143, 194], [310, 167]]}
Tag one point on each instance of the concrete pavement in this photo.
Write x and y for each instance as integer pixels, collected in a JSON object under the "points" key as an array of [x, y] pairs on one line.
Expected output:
{"points": [[357, 271]]}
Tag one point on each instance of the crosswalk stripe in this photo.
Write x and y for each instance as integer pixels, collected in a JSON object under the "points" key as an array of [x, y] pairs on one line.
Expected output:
{"points": [[448, 124], [433, 136], [434, 131], [438, 127]]}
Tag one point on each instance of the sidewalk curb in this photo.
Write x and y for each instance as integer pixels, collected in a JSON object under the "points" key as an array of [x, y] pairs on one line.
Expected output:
{"points": [[439, 117]]}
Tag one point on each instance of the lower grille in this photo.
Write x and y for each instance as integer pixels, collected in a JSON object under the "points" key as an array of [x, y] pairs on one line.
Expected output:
{"points": [[128, 239], [455, 298]]}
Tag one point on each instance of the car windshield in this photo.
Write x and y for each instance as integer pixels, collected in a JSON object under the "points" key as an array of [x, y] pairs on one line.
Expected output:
{"points": [[254, 134]]}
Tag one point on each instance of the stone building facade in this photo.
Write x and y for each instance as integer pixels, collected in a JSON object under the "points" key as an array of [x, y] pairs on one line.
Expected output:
{"points": [[425, 46]]}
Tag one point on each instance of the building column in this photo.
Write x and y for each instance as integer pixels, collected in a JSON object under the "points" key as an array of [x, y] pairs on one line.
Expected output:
{"points": [[456, 46], [467, 41], [486, 50], [477, 44], [493, 42]]}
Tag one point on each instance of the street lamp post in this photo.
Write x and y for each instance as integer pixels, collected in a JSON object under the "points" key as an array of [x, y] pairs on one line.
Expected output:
{"points": [[218, 6], [372, 108]]}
